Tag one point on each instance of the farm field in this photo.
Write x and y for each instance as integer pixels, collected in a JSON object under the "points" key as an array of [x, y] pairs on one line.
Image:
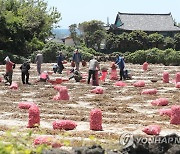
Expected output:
{"points": [[124, 109]]}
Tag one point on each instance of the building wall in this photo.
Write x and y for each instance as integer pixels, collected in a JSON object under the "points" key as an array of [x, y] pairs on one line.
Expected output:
{"points": [[69, 41]]}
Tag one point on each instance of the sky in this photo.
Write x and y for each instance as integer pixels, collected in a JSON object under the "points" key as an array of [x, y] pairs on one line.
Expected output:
{"points": [[78, 11]]}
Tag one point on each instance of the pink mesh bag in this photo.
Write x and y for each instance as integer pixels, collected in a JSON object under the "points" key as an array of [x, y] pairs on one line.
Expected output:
{"points": [[175, 115], [177, 77], [64, 124], [139, 84], [120, 84], [47, 140], [149, 91], [113, 74], [152, 130], [160, 102], [34, 117], [166, 77], [98, 90], [14, 85], [96, 119], [145, 66], [165, 112], [178, 85], [25, 105]]}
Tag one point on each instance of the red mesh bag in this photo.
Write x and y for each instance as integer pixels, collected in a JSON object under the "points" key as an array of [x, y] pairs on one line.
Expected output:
{"points": [[98, 90], [139, 84], [149, 91], [64, 124], [96, 119], [25, 105], [165, 112], [62, 93], [178, 85], [58, 87], [152, 130], [72, 64], [160, 102], [84, 63], [113, 65], [120, 84], [44, 76], [145, 66], [166, 77], [103, 77], [96, 83], [59, 81], [52, 81], [34, 117], [178, 77], [47, 140], [175, 115], [14, 85], [113, 75]]}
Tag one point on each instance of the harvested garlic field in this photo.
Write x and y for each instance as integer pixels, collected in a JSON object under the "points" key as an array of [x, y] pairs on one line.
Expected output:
{"points": [[124, 109]]}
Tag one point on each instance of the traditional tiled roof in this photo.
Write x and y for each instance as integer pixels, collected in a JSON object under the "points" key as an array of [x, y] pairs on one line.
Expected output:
{"points": [[146, 22]]}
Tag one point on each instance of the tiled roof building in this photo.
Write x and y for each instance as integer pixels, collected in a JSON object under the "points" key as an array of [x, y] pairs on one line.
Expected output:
{"points": [[149, 23]]}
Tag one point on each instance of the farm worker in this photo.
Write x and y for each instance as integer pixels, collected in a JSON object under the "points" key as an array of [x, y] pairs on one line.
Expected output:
{"points": [[60, 59], [76, 75], [44, 76], [93, 65], [39, 61], [25, 72], [9, 70], [121, 64], [77, 59]]}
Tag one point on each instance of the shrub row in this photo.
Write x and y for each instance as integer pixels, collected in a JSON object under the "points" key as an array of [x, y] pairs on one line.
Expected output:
{"points": [[154, 56]]}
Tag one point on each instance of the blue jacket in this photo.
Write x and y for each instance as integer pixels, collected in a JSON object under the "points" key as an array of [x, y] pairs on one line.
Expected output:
{"points": [[77, 57], [60, 58], [120, 62]]}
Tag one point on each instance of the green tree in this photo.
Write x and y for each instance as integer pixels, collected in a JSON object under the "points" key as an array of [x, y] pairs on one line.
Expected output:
{"points": [[156, 40], [177, 41], [168, 43], [93, 33], [27, 24], [73, 33], [138, 40]]}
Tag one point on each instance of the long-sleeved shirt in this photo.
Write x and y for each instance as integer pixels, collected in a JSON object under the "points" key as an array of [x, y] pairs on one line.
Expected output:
{"points": [[39, 58], [120, 62], [77, 57]]}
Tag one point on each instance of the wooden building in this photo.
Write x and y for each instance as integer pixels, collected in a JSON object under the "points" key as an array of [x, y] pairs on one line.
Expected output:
{"points": [[149, 23]]}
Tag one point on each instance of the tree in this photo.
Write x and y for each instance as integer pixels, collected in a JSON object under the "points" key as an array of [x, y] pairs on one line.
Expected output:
{"points": [[177, 41], [138, 40], [168, 43], [27, 24], [156, 40], [93, 33], [73, 33]]}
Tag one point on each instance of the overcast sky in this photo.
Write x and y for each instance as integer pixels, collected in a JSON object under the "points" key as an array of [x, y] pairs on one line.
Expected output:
{"points": [[78, 11]]}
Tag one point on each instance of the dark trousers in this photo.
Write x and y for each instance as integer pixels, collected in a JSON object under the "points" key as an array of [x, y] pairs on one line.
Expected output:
{"points": [[25, 77], [122, 74], [8, 77], [61, 67], [92, 73]]}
